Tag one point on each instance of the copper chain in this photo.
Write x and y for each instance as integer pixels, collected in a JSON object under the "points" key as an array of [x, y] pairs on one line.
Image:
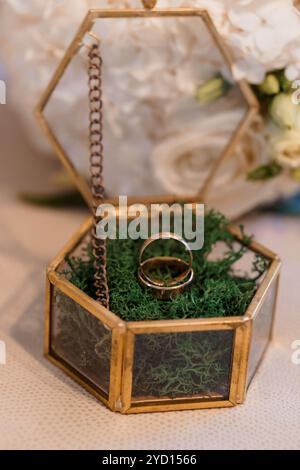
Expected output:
{"points": [[96, 169]]}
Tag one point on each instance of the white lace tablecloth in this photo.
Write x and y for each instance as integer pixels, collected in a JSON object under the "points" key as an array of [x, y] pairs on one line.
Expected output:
{"points": [[40, 408]]}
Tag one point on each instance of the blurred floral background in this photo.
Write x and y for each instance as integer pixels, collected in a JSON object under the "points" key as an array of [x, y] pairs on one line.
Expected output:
{"points": [[171, 102]]}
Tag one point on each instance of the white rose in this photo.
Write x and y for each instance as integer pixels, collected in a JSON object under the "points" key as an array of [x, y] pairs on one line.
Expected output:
{"points": [[183, 162]]}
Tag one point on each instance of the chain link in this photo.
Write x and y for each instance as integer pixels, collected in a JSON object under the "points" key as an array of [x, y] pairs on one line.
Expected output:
{"points": [[96, 169]]}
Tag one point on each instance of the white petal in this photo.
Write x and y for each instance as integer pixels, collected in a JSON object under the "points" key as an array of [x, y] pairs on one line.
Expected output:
{"points": [[243, 19], [283, 19], [264, 39], [249, 69], [292, 73], [295, 53]]}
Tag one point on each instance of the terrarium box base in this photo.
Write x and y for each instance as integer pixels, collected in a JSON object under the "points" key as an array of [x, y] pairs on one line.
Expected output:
{"points": [[146, 355]]}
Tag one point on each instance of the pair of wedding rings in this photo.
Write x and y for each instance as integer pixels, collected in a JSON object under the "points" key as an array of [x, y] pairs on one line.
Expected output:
{"points": [[180, 272]]}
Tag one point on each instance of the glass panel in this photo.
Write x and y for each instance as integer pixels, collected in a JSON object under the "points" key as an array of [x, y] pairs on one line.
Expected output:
{"points": [[81, 340], [171, 106], [183, 365], [262, 326]]}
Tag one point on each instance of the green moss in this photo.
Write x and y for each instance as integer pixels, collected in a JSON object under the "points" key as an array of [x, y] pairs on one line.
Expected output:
{"points": [[168, 364], [216, 291], [81, 340], [182, 364]]}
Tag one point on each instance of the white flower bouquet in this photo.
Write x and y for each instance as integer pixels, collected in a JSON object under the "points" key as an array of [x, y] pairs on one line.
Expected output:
{"points": [[171, 104]]}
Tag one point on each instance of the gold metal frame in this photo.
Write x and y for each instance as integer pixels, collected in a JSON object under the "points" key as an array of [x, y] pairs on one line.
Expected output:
{"points": [[123, 338], [76, 44], [120, 397], [172, 326]]}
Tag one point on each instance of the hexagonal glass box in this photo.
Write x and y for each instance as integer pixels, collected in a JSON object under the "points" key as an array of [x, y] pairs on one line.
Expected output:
{"points": [[145, 366]]}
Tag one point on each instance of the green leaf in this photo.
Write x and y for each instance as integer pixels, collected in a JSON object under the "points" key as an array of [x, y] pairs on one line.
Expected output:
{"points": [[285, 84], [265, 172], [57, 200]]}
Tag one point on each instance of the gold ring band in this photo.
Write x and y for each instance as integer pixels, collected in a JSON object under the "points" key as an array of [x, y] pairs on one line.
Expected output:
{"points": [[165, 293], [171, 288], [165, 261], [165, 236]]}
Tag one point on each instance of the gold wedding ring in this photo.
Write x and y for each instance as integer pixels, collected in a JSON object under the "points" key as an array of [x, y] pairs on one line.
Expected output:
{"points": [[176, 264], [162, 288]]}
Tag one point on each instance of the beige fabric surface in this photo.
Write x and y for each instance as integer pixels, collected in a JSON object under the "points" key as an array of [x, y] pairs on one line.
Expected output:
{"points": [[40, 408]]}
